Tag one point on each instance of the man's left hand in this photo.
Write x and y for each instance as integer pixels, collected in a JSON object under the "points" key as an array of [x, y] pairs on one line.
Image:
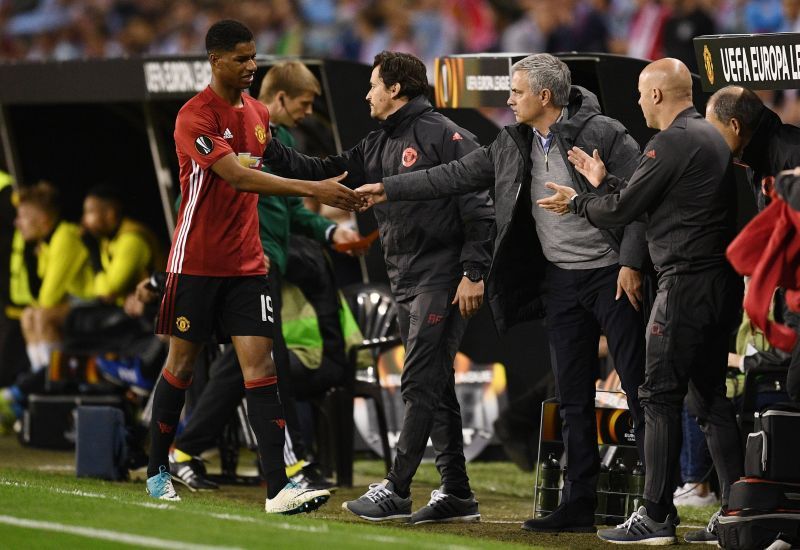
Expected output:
{"points": [[469, 297], [342, 235], [629, 281], [558, 202]]}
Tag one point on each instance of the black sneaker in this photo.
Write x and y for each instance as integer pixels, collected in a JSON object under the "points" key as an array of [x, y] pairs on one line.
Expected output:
{"points": [[444, 508], [380, 504], [191, 473], [640, 529], [707, 535], [310, 477]]}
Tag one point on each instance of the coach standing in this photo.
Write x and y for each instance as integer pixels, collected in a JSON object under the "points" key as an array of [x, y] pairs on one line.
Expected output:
{"points": [[685, 184], [588, 279], [437, 254]]}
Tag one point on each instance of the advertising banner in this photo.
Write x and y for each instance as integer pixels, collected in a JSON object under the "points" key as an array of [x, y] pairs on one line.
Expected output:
{"points": [[755, 61]]}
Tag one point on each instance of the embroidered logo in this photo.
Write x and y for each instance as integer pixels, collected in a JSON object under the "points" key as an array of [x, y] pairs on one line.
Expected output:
{"points": [[228, 134], [261, 134], [204, 145], [182, 323], [409, 157], [651, 153], [457, 137], [657, 329], [164, 428], [435, 319], [280, 422]]}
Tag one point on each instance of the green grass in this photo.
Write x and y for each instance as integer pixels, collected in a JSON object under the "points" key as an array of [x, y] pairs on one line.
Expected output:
{"points": [[41, 485]]}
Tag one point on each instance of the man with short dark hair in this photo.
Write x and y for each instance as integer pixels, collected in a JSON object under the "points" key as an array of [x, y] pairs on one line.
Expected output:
{"points": [[582, 279], [216, 284], [756, 136], [437, 254]]}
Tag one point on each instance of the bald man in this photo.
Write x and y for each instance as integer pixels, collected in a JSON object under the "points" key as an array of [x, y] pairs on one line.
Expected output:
{"points": [[685, 186], [756, 135]]}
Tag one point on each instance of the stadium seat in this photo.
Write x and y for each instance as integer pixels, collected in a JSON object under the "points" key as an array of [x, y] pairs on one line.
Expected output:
{"points": [[376, 313]]}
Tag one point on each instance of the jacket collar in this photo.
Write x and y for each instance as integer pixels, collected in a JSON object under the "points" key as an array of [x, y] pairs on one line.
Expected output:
{"points": [[582, 107], [683, 116], [757, 150], [398, 121]]}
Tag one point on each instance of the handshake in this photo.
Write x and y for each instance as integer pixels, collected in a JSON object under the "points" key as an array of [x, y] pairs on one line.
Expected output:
{"points": [[333, 193]]}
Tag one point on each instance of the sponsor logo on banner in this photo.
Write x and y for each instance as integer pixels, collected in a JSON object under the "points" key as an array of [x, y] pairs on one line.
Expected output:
{"points": [[709, 64], [170, 77], [759, 62]]}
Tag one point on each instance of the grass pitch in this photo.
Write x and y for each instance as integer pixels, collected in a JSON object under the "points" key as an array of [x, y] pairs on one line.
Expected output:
{"points": [[43, 506]]}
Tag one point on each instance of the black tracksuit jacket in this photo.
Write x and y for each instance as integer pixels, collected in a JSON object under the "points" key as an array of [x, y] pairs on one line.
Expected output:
{"points": [[427, 245]]}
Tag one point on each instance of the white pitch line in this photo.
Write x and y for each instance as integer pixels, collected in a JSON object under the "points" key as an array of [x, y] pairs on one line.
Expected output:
{"points": [[105, 534]]}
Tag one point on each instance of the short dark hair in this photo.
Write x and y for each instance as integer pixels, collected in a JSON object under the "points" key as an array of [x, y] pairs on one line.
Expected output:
{"points": [[43, 195], [224, 35], [737, 102], [405, 69], [109, 194]]}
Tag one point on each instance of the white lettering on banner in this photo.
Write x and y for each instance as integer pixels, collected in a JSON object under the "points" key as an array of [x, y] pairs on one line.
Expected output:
{"points": [[486, 82], [774, 63], [176, 76]]}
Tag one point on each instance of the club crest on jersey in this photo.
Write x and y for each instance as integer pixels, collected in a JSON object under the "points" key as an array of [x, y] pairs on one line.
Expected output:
{"points": [[204, 145], [261, 134], [409, 157], [182, 323]]}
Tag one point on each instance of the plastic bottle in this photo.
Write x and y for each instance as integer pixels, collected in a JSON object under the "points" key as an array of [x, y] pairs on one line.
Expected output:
{"points": [[635, 487], [618, 487], [549, 490], [602, 492]]}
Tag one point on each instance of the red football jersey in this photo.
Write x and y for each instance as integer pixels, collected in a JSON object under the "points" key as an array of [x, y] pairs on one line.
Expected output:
{"points": [[217, 230]]}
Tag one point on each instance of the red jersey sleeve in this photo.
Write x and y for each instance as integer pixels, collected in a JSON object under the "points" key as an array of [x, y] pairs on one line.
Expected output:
{"points": [[198, 135]]}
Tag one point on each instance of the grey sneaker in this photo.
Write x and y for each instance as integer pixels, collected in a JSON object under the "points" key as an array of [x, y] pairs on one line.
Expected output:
{"points": [[707, 535], [640, 529], [380, 504], [444, 508]]}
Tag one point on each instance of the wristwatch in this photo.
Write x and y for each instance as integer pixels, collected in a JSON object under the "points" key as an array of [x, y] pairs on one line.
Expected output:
{"points": [[473, 274]]}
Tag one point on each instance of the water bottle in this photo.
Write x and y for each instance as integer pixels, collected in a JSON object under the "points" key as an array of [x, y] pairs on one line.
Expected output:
{"points": [[636, 488], [549, 490], [618, 487], [602, 491]]}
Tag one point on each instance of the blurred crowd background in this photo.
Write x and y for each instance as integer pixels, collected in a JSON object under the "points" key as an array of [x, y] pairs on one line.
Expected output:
{"points": [[358, 29]]}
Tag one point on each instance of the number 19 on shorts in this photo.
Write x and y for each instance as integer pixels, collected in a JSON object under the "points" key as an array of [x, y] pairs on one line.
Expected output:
{"points": [[266, 308]]}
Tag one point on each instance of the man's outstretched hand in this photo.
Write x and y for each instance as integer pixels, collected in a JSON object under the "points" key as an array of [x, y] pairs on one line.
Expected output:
{"points": [[333, 193], [371, 194], [590, 167], [558, 202]]}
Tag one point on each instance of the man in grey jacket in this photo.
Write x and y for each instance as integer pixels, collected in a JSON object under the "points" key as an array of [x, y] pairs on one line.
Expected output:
{"points": [[437, 254], [588, 279]]}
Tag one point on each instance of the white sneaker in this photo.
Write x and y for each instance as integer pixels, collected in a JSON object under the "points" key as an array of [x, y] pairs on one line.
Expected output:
{"points": [[160, 486], [689, 495], [294, 500]]}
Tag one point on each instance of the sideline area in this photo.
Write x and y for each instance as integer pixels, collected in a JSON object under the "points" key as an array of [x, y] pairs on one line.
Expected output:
{"points": [[42, 500]]}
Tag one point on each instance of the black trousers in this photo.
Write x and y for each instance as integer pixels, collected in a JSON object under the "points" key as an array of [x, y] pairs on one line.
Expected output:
{"points": [[225, 390], [580, 303], [431, 329], [687, 356]]}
